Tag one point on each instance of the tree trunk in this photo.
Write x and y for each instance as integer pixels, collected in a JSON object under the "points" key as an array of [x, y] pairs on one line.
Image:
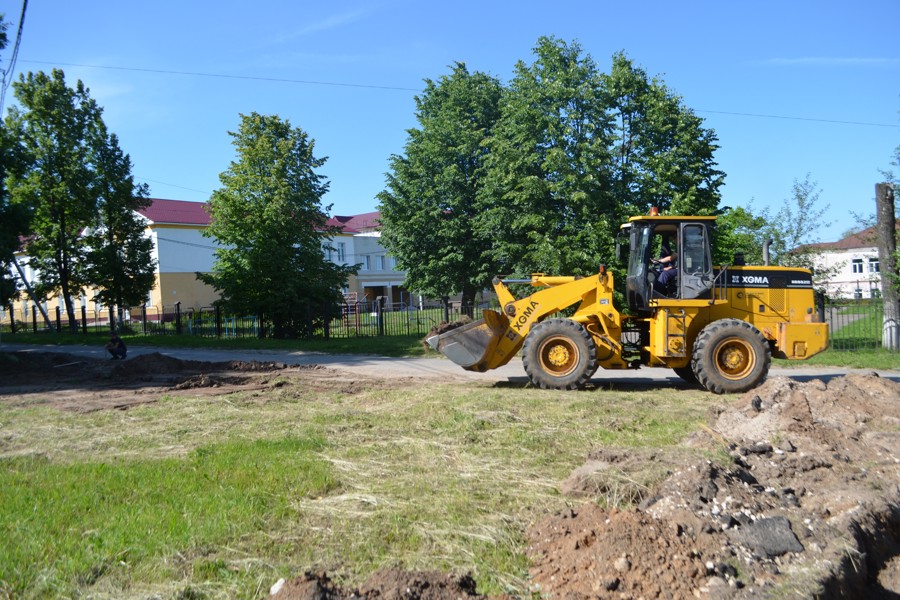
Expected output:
{"points": [[67, 299], [112, 319], [467, 304], [890, 278]]}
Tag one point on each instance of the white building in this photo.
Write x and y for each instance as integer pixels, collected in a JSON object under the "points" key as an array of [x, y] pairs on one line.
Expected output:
{"points": [[359, 243], [855, 260]]}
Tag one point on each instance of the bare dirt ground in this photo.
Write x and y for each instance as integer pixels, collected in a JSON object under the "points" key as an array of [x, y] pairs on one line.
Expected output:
{"points": [[800, 498]]}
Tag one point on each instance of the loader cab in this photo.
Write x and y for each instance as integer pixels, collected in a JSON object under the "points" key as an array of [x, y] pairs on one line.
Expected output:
{"points": [[686, 240]]}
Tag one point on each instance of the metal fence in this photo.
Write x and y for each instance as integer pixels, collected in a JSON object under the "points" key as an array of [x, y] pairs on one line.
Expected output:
{"points": [[855, 324], [345, 320]]}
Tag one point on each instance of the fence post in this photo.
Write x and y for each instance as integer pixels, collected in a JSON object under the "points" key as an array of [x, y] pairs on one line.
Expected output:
{"points": [[84, 319], [218, 321], [379, 315], [446, 301], [261, 327], [327, 321], [178, 318]]}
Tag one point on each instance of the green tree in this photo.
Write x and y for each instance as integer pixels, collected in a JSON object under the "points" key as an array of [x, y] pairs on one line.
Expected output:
{"points": [[739, 231], [271, 226], [119, 261], [430, 204], [55, 128], [576, 152], [794, 228], [547, 201], [13, 218], [662, 155]]}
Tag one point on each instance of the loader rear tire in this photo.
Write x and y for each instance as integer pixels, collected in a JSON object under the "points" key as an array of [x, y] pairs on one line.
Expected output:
{"points": [[730, 356], [559, 354]]}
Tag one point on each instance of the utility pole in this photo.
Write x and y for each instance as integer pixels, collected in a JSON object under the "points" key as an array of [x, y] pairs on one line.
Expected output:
{"points": [[887, 261]]}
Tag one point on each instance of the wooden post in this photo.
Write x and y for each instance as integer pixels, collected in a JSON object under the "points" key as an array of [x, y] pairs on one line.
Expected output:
{"points": [[887, 263]]}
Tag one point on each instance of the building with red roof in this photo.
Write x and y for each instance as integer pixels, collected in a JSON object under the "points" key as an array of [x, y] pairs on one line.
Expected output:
{"points": [[181, 251], [854, 258]]}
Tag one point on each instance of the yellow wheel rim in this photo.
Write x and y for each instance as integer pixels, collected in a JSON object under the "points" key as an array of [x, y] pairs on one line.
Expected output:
{"points": [[558, 355], [735, 358]]}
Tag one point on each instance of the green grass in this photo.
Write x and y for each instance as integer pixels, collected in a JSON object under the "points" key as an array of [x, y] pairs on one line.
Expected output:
{"points": [[869, 358], [218, 497], [68, 525]]}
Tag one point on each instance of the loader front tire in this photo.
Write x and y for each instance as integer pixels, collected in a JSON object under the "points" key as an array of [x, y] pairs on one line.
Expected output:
{"points": [[730, 356], [559, 354]]}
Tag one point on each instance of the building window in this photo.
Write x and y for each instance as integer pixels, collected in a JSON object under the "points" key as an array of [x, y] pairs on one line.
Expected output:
{"points": [[366, 262], [379, 262], [341, 249], [873, 265], [857, 265]]}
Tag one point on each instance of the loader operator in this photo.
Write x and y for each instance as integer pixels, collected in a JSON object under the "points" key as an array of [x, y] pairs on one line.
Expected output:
{"points": [[668, 270]]}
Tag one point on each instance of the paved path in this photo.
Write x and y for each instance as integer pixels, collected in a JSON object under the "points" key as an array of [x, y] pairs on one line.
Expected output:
{"points": [[431, 368]]}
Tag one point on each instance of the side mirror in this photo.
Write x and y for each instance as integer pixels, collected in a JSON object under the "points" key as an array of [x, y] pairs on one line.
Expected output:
{"points": [[622, 248]]}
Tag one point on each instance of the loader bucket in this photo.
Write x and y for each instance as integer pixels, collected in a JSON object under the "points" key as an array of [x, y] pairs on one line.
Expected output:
{"points": [[471, 345]]}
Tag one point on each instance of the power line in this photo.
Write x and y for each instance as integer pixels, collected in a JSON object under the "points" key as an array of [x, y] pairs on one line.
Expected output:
{"points": [[738, 114], [227, 76], [4, 84], [172, 185], [405, 89]]}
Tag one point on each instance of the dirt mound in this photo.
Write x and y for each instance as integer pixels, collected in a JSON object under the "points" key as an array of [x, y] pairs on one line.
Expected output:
{"points": [[22, 366], [807, 504], [160, 364], [389, 584]]}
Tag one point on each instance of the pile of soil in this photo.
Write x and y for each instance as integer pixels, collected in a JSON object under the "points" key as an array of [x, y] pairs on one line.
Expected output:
{"points": [[807, 503], [85, 384], [388, 584]]}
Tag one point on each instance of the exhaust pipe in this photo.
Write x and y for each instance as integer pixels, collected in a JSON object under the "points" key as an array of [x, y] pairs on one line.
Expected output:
{"points": [[766, 252]]}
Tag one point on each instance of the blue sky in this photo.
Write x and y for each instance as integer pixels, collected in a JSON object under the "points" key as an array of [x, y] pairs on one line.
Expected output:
{"points": [[823, 75]]}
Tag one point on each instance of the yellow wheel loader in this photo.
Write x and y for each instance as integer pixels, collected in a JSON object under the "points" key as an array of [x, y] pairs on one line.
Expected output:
{"points": [[717, 326]]}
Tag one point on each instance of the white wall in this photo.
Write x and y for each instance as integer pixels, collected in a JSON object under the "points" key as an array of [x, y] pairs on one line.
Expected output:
{"points": [[845, 283], [182, 250]]}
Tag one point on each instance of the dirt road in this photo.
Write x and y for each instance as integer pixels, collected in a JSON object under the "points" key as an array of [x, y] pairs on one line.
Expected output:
{"points": [[437, 368]]}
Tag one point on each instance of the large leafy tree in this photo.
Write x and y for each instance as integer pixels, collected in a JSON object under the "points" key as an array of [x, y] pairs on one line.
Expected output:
{"points": [[119, 261], [75, 184], [431, 201], [739, 231], [56, 128], [271, 226], [576, 152], [662, 155], [547, 202], [13, 218]]}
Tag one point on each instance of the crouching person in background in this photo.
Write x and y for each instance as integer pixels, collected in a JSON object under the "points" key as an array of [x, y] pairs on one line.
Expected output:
{"points": [[117, 347]]}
